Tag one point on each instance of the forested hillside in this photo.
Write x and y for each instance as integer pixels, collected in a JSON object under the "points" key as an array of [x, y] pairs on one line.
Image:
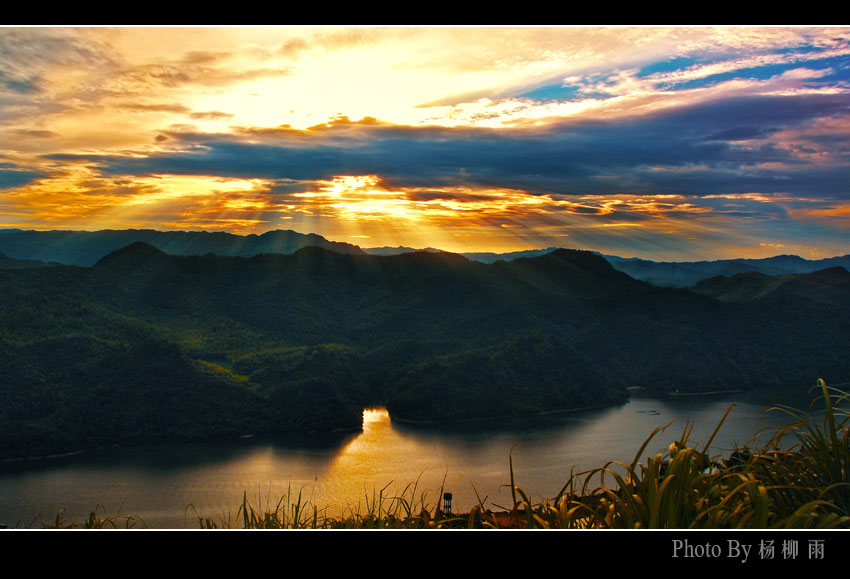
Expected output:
{"points": [[147, 346]]}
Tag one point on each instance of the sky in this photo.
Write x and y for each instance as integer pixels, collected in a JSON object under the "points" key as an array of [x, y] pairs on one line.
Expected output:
{"points": [[667, 143]]}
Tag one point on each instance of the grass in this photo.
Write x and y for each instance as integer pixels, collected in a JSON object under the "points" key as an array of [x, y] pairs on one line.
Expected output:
{"points": [[800, 478], [96, 521]]}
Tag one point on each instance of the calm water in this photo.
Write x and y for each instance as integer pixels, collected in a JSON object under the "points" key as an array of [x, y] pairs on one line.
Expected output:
{"points": [[159, 483]]}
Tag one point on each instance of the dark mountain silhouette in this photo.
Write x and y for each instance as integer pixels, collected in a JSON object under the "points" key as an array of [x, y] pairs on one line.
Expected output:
{"points": [[576, 271], [828, 285], [149, 346], [667, 274], [7, 262], [685, 274], [135, 255]]}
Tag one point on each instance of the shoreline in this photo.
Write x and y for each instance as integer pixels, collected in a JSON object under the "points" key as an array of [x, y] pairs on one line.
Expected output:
{"points": [[505, 417], [700, 393], [737, 391], [629, 390]]}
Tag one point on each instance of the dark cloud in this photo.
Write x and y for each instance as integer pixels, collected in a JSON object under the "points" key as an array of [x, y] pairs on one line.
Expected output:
{"points": [[586, 210], [17, 178], [25, 86], [285, 187], [740, 134], [690, 151], [436, 195], [743, 208]]}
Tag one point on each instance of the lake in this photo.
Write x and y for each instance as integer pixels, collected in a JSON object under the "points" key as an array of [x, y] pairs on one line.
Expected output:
{"points": [[169, 486]]}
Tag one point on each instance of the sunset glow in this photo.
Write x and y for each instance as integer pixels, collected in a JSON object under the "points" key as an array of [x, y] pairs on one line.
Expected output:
{"points": [[663, 143]]}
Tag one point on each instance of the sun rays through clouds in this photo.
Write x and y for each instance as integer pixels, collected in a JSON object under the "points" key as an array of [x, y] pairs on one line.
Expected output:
{"points": [[666, 143]]}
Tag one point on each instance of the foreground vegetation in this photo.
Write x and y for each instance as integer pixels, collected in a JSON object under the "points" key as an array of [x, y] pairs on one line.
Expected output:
{"points": [[800, 478]]}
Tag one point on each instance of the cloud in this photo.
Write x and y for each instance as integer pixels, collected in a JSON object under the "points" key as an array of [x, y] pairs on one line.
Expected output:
{"points": [[211, 115], [729, 146], [174, 108], [11, 178], [21, 85], [293, 47], [740, 134], [28, 55], [33, 134]]}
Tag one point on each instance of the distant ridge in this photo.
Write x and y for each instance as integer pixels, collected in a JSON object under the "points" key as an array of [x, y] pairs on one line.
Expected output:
{"points": [[669, 273], [87, 247], [686, 274], [485, 257], [387, 250]]}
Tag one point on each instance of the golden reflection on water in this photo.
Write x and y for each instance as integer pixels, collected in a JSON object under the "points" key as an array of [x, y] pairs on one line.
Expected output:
{"points": [[380, 457], [364, 453], [372, 415], [360, 456]]}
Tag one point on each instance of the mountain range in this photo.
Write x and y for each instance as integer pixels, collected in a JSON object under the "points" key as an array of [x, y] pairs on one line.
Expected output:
{"points": [[87, 247], [144, 346]]}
